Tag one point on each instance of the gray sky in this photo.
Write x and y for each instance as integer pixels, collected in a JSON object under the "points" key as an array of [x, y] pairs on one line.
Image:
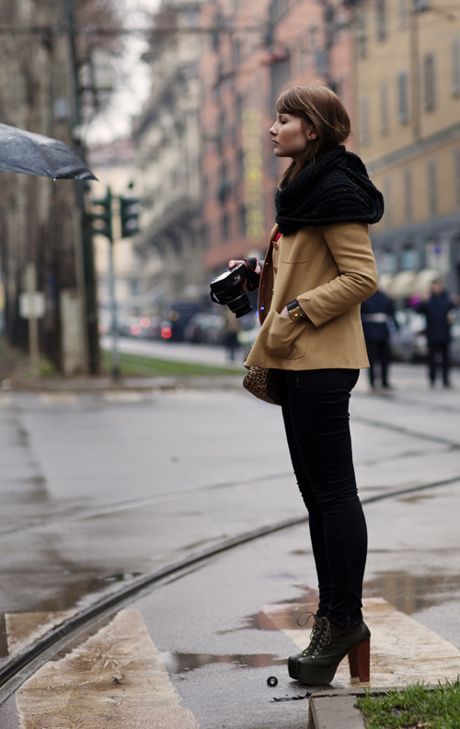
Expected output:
{"points": [[131, 80]]}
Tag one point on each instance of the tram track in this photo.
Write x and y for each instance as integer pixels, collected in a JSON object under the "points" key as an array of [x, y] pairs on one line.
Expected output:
{"points": [[23, 665], [18, 668], [75, 514]]}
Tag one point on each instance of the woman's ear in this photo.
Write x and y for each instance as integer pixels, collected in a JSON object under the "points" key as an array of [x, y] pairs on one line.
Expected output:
{"points": [[312, 134]]}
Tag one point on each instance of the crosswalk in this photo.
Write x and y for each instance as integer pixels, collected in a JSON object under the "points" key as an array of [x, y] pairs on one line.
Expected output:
{"points": [[118, 679], [115, 679]]}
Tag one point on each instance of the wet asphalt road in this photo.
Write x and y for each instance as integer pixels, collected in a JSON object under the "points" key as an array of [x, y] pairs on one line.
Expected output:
{"points": [[98, 488]]}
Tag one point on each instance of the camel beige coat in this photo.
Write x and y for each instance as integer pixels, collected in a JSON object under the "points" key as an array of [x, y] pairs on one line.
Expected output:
{"points": [[330, 270]]}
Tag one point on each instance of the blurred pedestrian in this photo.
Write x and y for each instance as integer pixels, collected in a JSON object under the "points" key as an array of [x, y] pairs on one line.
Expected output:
{"points": [[232, 328], [378, 314], [438, 310], [318, 269]]}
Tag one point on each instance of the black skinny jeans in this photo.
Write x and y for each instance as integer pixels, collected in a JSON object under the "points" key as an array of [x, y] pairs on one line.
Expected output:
{"points": [[316, 418]]}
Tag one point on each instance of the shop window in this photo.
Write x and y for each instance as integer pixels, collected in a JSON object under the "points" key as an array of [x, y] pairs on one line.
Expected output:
{"points": [[280, 72], [225, 227], [410, 258], [429, 82], [403, 97], [206, 236], [387, 197], [242, 218], [361, 33], [457, 174], [381, 19], [388, 261], [432, 187], [384, 116], [456, 66], [364, 136], [408, 209], [403, 14]]}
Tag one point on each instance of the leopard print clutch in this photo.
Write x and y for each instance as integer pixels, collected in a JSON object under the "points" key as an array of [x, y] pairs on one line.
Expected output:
{"points": [[261, 383]]}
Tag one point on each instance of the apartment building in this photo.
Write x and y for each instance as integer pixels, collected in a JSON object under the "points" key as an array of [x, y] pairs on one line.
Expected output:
{"points": [[407, 64], [257, 51], [167, 139]]}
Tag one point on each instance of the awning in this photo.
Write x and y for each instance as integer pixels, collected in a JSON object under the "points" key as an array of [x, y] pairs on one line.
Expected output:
{"points": [[423, 281], [402, 284], [385, 280]]}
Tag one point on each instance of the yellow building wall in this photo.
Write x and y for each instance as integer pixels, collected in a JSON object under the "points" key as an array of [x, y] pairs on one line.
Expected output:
{"points": [[388, 154]]}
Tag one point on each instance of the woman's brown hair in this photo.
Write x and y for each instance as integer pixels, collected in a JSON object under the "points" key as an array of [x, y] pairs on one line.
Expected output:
{"points": [[322, 108]]}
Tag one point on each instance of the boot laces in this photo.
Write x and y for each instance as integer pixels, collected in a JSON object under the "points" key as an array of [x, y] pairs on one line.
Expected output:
{"points": [[324, 638], [316, 631]]}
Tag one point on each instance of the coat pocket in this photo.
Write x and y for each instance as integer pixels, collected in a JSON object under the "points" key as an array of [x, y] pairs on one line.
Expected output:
{"points": [[281, 337], [296, 249]]}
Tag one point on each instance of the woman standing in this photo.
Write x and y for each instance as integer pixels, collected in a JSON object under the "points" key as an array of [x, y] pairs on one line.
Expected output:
{"points": [[318, 269]]}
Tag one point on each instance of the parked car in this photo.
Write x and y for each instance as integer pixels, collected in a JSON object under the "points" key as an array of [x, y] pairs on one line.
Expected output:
{"points": [[205, 328], [176, 318], [455, 344], [249, 329]]}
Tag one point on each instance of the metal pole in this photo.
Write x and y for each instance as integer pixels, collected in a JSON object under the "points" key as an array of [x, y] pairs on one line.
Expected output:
{"points": [[113, 300], [34, 347], [83, 238]]}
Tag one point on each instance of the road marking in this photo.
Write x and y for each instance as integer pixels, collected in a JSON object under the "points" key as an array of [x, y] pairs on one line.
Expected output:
{"points": [[115, 680], [57, 398], [5, 401], [403, 651], [114, 396]]}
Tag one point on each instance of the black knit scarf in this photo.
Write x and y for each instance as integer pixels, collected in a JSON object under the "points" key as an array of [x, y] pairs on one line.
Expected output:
{"points": [[333, 189]]}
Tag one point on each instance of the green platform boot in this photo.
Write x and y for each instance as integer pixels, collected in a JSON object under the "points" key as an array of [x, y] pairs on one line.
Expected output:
{"points": [[320, 624], [333, 644]]}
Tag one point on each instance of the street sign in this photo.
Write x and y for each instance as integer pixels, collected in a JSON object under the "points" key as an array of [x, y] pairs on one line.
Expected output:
{"points": [[32, 306]]}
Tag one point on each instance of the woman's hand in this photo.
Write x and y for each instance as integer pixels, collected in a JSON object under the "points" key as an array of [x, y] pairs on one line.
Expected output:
{"points": [[233, 263]]}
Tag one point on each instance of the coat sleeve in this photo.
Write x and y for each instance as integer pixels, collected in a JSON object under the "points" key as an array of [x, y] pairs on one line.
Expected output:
{"points": [[350, 247]]}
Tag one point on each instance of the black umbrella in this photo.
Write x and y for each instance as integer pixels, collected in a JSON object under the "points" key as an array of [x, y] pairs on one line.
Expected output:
{"points": [[34, 154]]}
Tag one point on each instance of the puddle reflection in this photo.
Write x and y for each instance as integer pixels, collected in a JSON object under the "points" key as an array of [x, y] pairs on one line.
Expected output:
{"points": [[178, 663], [280, 616], [409, 592]]}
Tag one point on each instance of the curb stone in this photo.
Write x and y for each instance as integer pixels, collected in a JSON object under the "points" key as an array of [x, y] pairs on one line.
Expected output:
{"points": [[334, 712], [147, 384], [336, 709]]}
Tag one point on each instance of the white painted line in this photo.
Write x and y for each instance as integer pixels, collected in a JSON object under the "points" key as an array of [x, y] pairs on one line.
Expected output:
{"points": [[403, 651], [115, 680], [113, 396], [57, 398]]}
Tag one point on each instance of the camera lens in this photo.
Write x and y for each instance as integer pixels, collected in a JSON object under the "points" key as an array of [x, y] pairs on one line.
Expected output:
{"points": [[240, 305], [228, 289]]}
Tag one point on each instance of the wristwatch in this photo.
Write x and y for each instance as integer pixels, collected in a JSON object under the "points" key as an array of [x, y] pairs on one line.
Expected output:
{"points": [[295, 311]]}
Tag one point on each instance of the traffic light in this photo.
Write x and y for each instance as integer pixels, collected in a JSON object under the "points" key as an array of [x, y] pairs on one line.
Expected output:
{"points": [[101, 215], [129, 214]]}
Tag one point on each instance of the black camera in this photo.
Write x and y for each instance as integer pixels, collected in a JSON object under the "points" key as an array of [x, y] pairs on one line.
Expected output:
{"points": [[228, 289]]}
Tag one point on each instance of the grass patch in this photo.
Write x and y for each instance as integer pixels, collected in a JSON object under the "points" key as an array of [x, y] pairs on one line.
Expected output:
{"points": [[15, 365], [140, 366], [416, 707]]}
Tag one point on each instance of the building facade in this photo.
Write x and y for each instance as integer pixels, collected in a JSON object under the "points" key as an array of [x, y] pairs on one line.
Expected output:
{"points": [[203, 150], [407, 61], [167, 138], [261, 49]]}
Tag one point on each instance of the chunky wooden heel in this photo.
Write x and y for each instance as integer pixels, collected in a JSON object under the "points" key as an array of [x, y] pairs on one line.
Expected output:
{"points": [[333, 644], [359, 660]]}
